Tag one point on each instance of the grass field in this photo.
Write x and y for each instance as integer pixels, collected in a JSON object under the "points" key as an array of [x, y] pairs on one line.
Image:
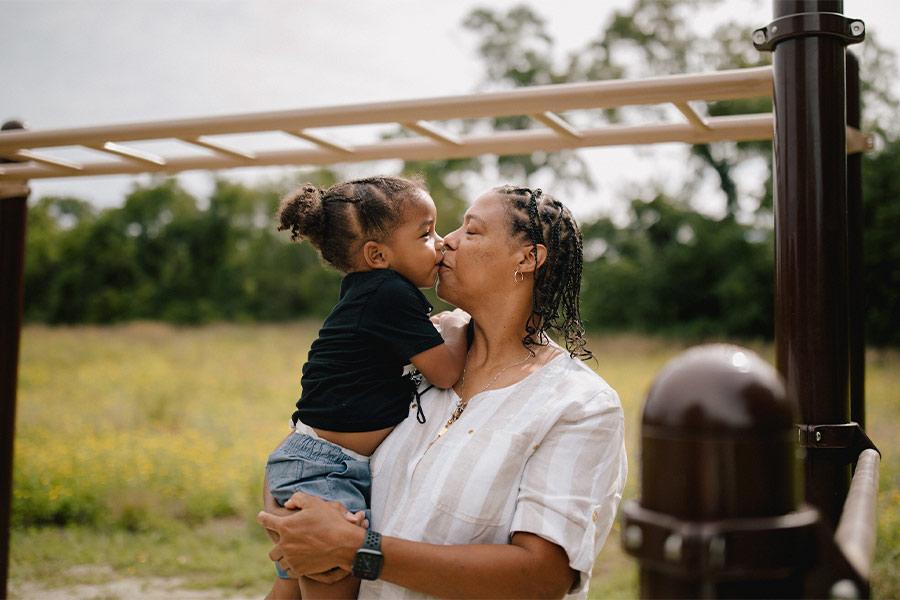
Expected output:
{"points": [[140, 451]]}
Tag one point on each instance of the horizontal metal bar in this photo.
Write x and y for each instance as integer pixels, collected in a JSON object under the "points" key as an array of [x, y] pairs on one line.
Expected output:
{"points": [[858, 141], [855, 534], [737, 128], [720, 85]]}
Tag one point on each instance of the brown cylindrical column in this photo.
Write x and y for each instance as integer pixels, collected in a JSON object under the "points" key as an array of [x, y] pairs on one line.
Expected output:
{"points": [[856, 281], [12, 265], [811, 274]]}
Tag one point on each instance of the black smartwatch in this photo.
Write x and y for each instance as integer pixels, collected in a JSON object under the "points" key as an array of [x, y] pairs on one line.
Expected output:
{"points": [[367, 564]]}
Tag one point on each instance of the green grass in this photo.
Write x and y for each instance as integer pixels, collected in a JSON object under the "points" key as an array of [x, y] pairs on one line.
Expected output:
{"points": [[140, 451]]}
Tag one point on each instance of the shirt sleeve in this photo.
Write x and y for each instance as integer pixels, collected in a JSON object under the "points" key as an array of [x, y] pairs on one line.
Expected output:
{"points": [[572, 484], [397, 315]]}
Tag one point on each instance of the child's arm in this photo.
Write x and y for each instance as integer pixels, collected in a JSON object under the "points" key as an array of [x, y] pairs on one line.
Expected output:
{"points": [[443, 365]]}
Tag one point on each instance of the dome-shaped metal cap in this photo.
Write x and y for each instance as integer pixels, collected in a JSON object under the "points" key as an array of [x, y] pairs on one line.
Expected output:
{"points": [[718, 389]]}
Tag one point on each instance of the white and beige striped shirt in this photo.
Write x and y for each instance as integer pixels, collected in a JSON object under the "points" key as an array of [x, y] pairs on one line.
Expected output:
{"points": [[545, 455]]}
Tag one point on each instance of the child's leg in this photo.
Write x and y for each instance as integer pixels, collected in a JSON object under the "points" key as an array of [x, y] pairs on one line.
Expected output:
{"points": [[329, 474], [345, 589], [284, 589]]}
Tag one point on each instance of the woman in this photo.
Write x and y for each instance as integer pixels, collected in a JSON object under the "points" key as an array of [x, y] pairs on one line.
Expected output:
{"points": [[510, 487]]}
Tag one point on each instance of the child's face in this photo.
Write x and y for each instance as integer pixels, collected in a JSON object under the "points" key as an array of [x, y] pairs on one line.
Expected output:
{"points": [[414, 249]]}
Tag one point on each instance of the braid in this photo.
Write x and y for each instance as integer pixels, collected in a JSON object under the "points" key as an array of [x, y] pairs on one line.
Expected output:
{"points": [[542, 219]]}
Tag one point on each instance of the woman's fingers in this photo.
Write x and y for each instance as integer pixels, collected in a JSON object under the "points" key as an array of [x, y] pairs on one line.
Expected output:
{"points": [[300, 500], [303, 535], [274, 536], [270, 522], [330, 576]]}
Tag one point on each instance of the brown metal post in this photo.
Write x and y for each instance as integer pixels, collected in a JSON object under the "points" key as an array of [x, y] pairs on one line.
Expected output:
{"points": [[855, 254], [719, 514], [13, 213], [811, 271]]}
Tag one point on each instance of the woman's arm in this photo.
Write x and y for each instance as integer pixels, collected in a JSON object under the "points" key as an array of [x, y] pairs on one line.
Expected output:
{"points": [[317, 538]]}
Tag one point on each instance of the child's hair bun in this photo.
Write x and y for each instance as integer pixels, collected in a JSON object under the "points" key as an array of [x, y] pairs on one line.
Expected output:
{"points": [[302, 213]]}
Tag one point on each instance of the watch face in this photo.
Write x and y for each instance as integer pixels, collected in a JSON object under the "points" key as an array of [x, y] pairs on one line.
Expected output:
{"points": [[367, 564]]}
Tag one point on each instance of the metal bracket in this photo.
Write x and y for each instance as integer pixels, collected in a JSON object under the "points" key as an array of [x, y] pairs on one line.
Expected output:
{"points": [[851, 31], [751, 548], [724, 549], [845, 440], [11, 189]]}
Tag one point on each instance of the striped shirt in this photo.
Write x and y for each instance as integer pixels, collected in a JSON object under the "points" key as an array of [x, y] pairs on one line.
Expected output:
{"points": [[545, 455]]}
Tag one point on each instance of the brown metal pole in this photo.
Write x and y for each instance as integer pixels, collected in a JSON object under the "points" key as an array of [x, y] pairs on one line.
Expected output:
{"points": [[13, 213], [719, 514], [811, 275], [855, 255]]}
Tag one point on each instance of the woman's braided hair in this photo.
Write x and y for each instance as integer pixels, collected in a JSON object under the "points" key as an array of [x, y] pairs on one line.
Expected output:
{"points": [[339, 220], [542, 219]]}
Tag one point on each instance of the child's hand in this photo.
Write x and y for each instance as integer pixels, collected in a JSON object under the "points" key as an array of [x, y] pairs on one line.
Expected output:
{"points": [[436, 319], [357, 518], [455, 319]]}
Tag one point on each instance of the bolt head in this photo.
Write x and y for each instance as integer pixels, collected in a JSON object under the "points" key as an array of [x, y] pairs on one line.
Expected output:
{"points": [[717, 552], [759, 36], [844, 590], [818, 436], [672, 548], [857, 28], [633, 537]]}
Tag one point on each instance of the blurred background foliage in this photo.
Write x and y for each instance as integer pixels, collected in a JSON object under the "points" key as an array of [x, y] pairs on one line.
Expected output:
{"points": [[664, 267]]}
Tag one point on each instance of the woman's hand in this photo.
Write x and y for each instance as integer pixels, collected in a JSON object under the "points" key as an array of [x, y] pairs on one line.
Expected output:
{"points": [[316, 538], [271, 506]]}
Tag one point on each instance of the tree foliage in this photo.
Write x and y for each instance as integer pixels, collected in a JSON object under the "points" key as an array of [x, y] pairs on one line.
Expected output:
{"points": [[881, 245], [161, 256], [674, 271]]}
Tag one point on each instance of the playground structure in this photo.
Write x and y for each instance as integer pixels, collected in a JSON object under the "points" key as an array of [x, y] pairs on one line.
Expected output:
{"points": [[750, 535]]}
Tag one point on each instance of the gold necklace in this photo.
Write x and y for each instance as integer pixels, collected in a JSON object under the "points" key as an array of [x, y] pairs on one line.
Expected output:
{"points": [[461, 404]]}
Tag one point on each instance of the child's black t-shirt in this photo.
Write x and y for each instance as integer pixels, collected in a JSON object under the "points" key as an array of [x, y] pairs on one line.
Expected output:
{"points": [[353, 378]]}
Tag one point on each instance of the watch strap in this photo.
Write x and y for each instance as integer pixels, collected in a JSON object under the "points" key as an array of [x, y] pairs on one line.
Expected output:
{"points": [[373, 540]]}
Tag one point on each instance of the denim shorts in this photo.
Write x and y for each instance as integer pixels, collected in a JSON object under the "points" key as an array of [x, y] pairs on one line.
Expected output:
{"points": [[318, 468]]}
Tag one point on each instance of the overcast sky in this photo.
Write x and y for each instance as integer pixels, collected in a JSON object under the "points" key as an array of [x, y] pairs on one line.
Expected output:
{"points": [[91, 62]]}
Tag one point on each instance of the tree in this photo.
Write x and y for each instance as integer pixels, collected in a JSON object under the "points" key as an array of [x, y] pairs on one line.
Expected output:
{"points": [[881, 219]]}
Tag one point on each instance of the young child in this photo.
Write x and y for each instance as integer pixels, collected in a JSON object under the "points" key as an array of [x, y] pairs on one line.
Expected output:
{"points": [[378, 232]]}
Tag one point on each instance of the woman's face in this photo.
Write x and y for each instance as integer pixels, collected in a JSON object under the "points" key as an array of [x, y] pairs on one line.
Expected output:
{"points": [[480, 257]]}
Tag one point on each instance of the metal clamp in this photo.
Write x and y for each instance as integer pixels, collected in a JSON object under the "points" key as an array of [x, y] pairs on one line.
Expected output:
{"points": [[845, 440], [851, 31], [724, 549]]}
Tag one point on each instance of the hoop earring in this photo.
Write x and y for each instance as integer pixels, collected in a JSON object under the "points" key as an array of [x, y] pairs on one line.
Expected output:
{"points": [[516, 276]]}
